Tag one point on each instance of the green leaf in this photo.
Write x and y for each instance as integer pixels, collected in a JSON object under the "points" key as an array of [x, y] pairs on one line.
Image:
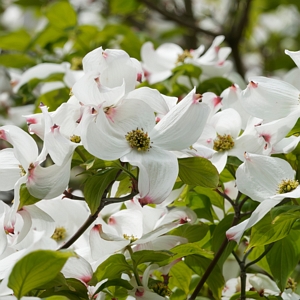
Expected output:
{"points": [[199, 265], [283, 258], [56, 297], [263, 263], [193, 233], [180, 277], [216, 85], [124, 187], [16, 60], [25, 197], [218, 237], [143, 256], [111, 268], [115, 282], [215, 198], [198, 171], [186, 250], [188, 70], [268, 231], [55, 98], [123, 7], [201, 205], [95, 186], [36, 269], [62, 15], [17, 40]]}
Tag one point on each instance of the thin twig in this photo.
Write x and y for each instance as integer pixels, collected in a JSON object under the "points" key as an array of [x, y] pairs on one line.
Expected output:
{"points": [[178, 19]]}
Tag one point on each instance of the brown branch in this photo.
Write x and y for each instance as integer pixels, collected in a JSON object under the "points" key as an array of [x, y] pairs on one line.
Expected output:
{"points": [[178, 19], [235, 35]]}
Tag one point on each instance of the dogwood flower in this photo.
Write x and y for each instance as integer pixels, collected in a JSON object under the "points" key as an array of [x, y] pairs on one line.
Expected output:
{"points": [[22, 164], [267, 180], [133, 136]]}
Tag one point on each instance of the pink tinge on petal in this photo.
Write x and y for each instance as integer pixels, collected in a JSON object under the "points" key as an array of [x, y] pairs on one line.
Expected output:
{"points": [[197, 98], [217, 49], [31, 169], [139, 77], [183, 220], [246, 156], [85, 278], [233, 87], [221, 63], [139, 293], [145, 200], [253, 84], [110, 113], [3, 135], [217, 100], [97, 227], [104, 54], [112, 221], [55, 127], [31, 121]]}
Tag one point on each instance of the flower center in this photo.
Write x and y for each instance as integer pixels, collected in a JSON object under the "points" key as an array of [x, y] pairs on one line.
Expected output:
{"points": [[75, 139], [181, 57], [287, 185], [291, 284], [161, 289], [59, 234], [138, 139], [223, 142], [22, 171], [130, 238]]}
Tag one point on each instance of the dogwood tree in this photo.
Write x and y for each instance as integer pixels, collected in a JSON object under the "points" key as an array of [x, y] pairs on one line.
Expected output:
{"points": [[145, 154]]}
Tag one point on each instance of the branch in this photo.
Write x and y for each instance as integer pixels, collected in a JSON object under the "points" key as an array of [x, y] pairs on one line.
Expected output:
{"points": [[178, 19], [92, 218]]}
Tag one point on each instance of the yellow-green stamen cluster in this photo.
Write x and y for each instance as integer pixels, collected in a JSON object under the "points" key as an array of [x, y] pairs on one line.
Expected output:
{"points": [[75, 139], [138, 139], [59, 234], [181, 57], [291, 284], [130, 238], [22, 171], [287, 185], [223, 142], [161, 289]]}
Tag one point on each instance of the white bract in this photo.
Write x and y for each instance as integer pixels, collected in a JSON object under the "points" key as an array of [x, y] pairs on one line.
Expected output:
{"points": [[267, 180]]}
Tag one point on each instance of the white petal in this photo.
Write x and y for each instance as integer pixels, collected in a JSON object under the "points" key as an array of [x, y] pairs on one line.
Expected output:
{"points": [[227, 121], [158, 170], [219, 160], [101, 139], [295, 56], [259, 176], [182, 125], [50, 182], [152, 97], [86, 89], [270, 99], [39, 71], [25, 148], [10, 171]]}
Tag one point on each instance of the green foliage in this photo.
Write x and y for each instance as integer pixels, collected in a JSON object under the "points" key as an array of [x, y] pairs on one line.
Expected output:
{"points": [[268, 231], [151, 256], [192, 233], [216, 85], [198, 171], [61, 15], [35, 269], [25, 197], [17, 40], [199, 265], [111, 268], [95, 187]]}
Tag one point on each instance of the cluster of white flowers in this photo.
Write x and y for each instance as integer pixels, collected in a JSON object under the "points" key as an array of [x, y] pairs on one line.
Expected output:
{"points": [[114, 120]]}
